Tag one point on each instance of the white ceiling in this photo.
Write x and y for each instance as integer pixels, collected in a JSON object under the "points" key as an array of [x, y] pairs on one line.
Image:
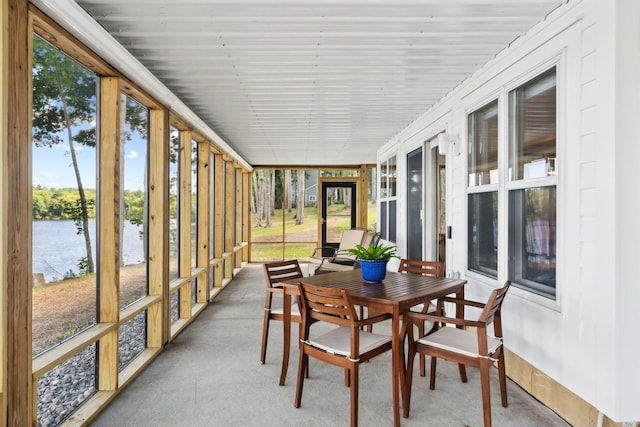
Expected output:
{"points": [[313, 82]]}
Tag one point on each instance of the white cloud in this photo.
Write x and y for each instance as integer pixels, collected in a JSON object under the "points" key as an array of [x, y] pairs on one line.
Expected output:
{"points": [[132, 154]]}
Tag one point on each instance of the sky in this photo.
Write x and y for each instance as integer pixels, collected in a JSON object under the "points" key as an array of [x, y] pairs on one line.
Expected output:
{"points": [[52, 166]]}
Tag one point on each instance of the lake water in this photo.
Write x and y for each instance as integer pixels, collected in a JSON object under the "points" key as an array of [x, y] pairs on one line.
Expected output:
{"points": [[57, 248]]}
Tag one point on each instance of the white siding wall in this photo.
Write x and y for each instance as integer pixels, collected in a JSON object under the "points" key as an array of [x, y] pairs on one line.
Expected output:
{"points": [[581, 340]]}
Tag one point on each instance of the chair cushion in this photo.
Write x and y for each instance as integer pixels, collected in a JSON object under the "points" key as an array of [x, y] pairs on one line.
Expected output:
{"points": [[338, 341], [459, 341], [294, 310], [418, 308]]}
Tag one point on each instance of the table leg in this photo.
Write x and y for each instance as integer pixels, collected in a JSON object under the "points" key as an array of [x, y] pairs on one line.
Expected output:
{"points": [[286, 320], [398, 363]]}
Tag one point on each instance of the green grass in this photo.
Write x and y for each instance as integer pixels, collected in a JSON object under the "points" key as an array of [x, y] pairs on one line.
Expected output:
{"points": [[265, 240]]}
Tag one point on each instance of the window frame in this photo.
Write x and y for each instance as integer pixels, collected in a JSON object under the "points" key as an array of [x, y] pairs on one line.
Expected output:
{"points": [[511, 186], [388, 202]]}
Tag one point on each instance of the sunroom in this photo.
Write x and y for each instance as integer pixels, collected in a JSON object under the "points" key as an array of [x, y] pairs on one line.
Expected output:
{"points": [[152, 150]]}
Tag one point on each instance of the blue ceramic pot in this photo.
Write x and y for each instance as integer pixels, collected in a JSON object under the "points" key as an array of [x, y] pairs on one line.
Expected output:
{"points": [[373, 271]]}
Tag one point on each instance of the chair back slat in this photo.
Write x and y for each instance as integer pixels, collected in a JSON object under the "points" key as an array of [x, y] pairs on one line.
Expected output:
{"points": [[328, 305], [280, 271], [430, 268], [494, 304]]}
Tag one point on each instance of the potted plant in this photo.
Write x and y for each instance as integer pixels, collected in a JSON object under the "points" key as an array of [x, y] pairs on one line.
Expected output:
{"points": [[373, 260]]}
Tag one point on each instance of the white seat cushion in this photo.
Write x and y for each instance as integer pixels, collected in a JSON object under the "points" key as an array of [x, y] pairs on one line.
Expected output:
{"points": [[338, 341], [294, 310], [418, 308], [460, 341]]}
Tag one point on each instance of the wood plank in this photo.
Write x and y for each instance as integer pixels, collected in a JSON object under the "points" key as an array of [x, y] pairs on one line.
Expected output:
{"points": [[109, 229], [185, 221], [204, 205], [229, 215], [65, 350], [218, 206], [16, 227], [138, 307], [238, 219], [246, 215], [158, 323], [53, 33]]}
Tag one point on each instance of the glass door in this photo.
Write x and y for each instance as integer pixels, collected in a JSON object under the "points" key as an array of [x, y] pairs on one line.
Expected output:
{"points": [[338, 211], [414, 204]]}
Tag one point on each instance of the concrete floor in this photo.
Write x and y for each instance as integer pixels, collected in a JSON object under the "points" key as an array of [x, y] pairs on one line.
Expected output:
{"points": [[210, 375]]}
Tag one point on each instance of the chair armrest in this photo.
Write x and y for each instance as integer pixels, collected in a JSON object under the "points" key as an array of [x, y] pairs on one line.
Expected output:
{"points": [[322, 248], [374, 319], [443, 319], [463, 301]]}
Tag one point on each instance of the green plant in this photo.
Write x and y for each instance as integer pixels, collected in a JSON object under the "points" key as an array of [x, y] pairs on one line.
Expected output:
{"points": [[378, 252]]}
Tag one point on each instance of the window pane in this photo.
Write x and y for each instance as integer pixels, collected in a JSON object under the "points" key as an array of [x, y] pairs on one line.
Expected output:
{"points": [[392, 221], [372, 201], [384, 173], [392, 177], [64, 164], [383, 219], [133, 202], [483, 233], [483, 145], [174, 187], [533, 128], [532, 239]]}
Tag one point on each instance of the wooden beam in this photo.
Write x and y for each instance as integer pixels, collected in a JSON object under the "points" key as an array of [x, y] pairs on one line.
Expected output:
{"points": [[246, 214], [16, 222], [158, 320], [218, 206], [184, 212], [109, 230], [229, 215], [363, 196], [202, 295], [238, 219]]}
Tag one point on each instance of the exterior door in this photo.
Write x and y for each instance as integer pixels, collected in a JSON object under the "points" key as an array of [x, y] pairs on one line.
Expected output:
{"points": [[338, 211], [414, 204], [439, 203]]}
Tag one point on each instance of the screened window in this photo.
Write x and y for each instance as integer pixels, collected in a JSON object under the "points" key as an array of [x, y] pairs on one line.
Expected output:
{"points": [[482, 234], [483, 145], [388, 175], [532, 164]]}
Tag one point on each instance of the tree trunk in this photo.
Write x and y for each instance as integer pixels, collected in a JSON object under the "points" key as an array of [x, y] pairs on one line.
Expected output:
{"points": [[287, 190], [300, 197], [84, 212]]}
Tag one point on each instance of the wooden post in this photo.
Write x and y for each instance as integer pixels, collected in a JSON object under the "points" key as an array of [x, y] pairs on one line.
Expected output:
{"points": [[158, 325], [109, 214], [185, 222], [246, 215], [238, 219], [202, 295], [229, 217], [15, 155], [218, 245], [363, 196]]}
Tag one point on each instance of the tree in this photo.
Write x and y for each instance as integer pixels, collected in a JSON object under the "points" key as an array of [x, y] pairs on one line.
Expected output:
{"points": [[64, 101], [287, 190], [300, 197]]}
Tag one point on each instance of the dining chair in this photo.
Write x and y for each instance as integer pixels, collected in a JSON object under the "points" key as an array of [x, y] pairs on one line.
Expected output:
{"points": [[466, 347], [345, 345], [275, 273], [428, 268]]}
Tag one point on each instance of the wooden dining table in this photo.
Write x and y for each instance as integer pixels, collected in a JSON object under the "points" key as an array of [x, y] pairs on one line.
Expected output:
{"points": [[396, 294]]}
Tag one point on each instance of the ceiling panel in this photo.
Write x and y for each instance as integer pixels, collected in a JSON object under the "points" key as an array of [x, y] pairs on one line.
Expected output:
{"points": [[313, 82]]}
